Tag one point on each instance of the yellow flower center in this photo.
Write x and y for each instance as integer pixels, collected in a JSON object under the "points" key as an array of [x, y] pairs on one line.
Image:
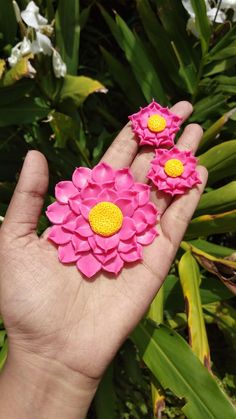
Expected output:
{"points": [[174, 167], [156, 123], [105, 219]]}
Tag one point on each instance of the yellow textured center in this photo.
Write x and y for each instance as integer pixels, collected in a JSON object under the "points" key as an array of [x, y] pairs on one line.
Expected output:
{"points": [[105, 219], [156, 123], [174, 167]]}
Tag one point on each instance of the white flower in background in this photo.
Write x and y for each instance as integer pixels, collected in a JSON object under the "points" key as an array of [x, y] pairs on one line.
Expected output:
{"points": [[19, 50], [59, 66], [32, 17], [41, 44], [213, 13]]}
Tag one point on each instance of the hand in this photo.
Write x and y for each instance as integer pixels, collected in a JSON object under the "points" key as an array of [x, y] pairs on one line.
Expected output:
{"points": [[64, 330]]}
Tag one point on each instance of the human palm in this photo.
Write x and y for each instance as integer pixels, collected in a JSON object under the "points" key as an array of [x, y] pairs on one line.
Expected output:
{"points": [[49, 308]]}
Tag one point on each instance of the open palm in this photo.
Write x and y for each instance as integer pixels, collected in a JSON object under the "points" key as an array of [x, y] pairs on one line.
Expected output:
{"points": [[49, 308]]}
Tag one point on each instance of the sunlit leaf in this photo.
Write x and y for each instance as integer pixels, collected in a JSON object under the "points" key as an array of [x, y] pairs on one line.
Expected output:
{"points": [[78, 88], [220, 161], [219, 200], [175, 369], [190, 280]]}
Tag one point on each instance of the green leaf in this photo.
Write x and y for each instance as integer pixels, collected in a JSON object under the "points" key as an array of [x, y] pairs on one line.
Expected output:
{"points": [[20, 70], [202, 23], [23, 111], [220, 161], [3, 354], [208, 106], [219, 67], [8, 24], [219, 200], [190, 280], [78, 88], [2, 67], [175, 369], [137, 57], [68, 33], [142, 67], [159, 39], [14, 92], [124, 78], [213, 249], [228, 52], [105, 398], [212, 224], [211, 133], [226, 84], [224, 42]]}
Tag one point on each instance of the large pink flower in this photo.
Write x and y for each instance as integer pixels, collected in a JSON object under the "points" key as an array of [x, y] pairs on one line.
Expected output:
{"points": [[102, 219], [155, 125], [174, 171]]}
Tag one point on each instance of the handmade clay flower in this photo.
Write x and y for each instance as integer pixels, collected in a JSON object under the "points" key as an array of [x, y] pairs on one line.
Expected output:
{"points": [[155, 125], [174, 171], [102, 219]]}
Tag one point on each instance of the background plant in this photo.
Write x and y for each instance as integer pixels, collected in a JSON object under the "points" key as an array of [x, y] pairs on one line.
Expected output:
{"points": [[139, 50]]}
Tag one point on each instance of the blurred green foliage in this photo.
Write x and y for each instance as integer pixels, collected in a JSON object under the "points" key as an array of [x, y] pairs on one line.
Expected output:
{"points": [[140, 50]]}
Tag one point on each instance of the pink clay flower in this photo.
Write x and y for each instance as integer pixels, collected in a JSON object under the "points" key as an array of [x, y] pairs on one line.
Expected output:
{"points": [[155, 125], [102, 219], [174, 171]]}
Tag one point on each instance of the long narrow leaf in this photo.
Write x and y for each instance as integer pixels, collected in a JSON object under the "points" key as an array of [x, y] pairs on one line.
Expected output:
{"points": [[220, 161], [211, 224], [142, 67], [190, 280], [68, 33], [180, 370], [219, 200], [202, 23]]}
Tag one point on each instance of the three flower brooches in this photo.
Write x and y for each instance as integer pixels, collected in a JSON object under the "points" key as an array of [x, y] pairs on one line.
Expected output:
{"points": [[102, 219], [174, 171], [155, 125]]}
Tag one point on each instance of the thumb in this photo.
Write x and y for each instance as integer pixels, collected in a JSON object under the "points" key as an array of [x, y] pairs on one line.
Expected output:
{"points": [[26, 204]]}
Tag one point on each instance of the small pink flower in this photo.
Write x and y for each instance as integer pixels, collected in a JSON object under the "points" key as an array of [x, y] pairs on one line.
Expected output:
{"points": [[174, 171], [102, 219], [155, 125]]}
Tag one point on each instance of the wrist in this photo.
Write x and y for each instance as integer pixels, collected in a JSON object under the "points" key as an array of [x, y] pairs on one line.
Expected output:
{"points": [[33, 386]]}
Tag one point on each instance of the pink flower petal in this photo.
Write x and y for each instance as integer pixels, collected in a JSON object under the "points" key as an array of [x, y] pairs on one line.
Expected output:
{"points": [[75, 204], [108, 256], [58, 235], [92, 190], [70, 223], [139, 220], [83, 227], [143, 193], [127, 245], [102, 173], [96, 249], [107, 243], [147, 236], [133, 255], [107, 195], [80, 244], [126, 205], [89, 265], [66, 253], [81, 176], [114, 265], [87, 205], [57, 213], [150, 212], [128, 229], [65, 190], [123, 179]]}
